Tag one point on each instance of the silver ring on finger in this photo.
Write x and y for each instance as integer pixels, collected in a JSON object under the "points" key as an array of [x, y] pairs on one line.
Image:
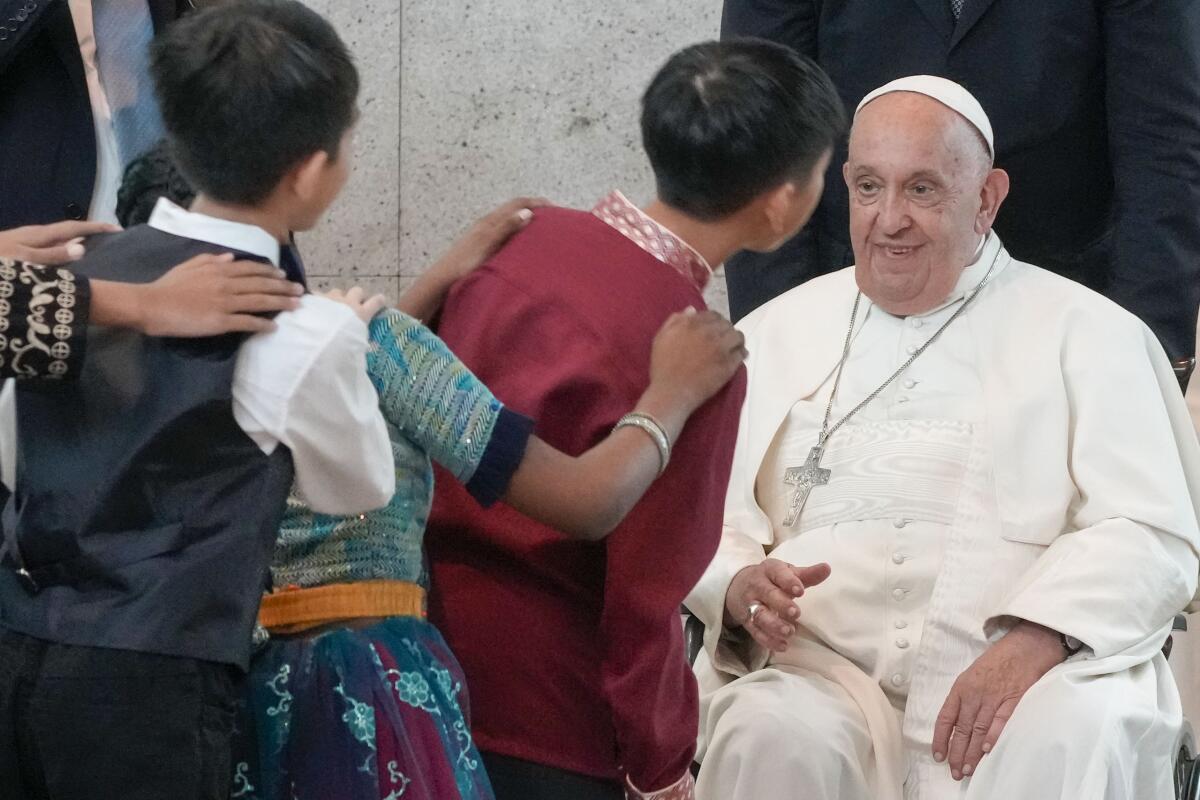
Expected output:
{"points": [[754, 608]]}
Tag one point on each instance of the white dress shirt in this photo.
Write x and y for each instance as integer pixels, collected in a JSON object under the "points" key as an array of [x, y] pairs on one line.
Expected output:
{"points": [[303, 385]]}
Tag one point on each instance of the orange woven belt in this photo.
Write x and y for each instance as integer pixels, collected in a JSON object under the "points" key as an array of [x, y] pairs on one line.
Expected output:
{"points": [[293, 610]]}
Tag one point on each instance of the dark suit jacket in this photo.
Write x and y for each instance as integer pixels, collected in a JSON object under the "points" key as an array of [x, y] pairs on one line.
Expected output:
{"points": [[47, 137], [1096, 111]]}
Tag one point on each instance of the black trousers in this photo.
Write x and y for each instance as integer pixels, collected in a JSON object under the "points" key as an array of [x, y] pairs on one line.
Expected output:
{"points": [[87, 723], [514, 779]]}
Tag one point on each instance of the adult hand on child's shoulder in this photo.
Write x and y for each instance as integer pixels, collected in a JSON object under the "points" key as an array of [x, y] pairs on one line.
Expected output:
{"points": [[365, 308], [50, 245]]}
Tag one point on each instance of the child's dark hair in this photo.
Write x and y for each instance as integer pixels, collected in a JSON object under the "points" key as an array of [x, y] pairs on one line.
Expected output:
{"points": [[250, 89], [723, 122]]}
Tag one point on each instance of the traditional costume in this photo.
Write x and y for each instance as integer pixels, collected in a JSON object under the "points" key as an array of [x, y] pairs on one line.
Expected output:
{"points": [[574, 651], [356, 694], [1035, 462]]}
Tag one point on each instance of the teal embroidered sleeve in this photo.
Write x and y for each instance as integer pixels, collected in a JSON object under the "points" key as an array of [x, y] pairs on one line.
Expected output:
{"points": [[435, 401]]}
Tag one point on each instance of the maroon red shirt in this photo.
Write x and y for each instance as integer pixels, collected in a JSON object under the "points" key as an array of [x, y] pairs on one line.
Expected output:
{"points": [[574, 651]]}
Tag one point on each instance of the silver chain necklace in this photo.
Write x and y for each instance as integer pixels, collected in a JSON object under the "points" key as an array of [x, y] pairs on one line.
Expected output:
{"points": [[811, 474]]}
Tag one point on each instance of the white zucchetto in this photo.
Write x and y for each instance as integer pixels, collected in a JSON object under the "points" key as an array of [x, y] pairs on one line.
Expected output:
{"points": [[946, 92]]}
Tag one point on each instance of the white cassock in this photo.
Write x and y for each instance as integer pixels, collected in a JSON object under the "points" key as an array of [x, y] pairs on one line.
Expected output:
{"points": [[1036, 462]]}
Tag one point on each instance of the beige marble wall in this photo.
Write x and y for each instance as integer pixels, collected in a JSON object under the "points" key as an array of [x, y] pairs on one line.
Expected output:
{"points": [[358, 242], [466, 103]]}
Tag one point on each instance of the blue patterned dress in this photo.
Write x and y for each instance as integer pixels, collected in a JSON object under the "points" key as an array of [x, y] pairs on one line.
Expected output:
{"points": [[380, 711]]}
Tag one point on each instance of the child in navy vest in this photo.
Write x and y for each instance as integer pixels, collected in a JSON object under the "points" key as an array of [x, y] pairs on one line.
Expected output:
{"points": [[148, 493]]}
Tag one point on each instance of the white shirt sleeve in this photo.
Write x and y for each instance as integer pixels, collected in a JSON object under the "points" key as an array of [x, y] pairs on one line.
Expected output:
{"points": [[305, 385]]}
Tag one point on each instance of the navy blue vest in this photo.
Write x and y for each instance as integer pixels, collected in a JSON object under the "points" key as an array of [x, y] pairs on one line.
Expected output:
{"points": [[143, 518]]}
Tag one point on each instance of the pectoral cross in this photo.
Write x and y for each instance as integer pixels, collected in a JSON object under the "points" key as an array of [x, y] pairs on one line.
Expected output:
{"points": [[804, 478]]}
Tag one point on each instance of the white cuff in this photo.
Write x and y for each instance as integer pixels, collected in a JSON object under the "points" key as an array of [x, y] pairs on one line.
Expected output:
{"points": [[682, 789]]}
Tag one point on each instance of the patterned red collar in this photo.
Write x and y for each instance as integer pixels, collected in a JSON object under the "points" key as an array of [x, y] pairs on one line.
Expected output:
{"points": [[656, 240]]}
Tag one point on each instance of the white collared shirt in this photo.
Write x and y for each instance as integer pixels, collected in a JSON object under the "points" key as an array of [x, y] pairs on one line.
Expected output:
{"points": [[303, 385], [108, 161]]}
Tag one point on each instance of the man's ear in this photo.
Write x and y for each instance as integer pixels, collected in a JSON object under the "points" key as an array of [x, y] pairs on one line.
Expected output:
{"points": [[305, 178], [777, 207], [995, 189]]}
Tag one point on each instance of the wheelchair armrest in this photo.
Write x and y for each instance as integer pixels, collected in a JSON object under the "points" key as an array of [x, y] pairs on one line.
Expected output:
{"points": [[693, 635], [1180, 623]]}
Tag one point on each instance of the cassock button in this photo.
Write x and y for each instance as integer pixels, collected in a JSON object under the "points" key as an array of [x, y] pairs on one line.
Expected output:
{"points": [[897, 679], [900, 624], [898, 558], [916, 322], [911, 349], [73, 211], [902, 643], [899, 522], [910, 383], [899, 593]]}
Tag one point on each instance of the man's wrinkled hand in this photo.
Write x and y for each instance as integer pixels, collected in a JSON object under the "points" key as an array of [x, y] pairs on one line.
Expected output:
{"points": [[771, 589], [984, 697]]}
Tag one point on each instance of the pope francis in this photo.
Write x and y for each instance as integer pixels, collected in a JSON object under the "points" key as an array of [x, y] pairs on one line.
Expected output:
{"points": [[995, 479]]}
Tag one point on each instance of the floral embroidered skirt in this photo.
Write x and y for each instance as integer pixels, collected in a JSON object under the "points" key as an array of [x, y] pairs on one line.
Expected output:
{"points": [[379, 712]]}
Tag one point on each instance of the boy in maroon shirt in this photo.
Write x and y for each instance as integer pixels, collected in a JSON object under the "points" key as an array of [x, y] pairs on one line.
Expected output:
{"points": [[573, 651]]}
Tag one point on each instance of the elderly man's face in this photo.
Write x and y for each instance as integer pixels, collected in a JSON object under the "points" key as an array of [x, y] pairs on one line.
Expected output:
{"points": [[920, 198]]}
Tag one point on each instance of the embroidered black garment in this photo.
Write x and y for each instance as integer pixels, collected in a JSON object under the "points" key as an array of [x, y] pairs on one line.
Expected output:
{"points": [[43, 320]]}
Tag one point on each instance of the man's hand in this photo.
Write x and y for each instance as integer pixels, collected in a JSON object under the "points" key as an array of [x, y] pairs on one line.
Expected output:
{"points": [[984, 697], [774, 586], [50, 245], [365, 307], [204, 296]]}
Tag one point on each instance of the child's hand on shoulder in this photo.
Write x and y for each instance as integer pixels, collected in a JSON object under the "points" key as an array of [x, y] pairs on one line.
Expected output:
{"points": [[365, 308], [485, 237]]}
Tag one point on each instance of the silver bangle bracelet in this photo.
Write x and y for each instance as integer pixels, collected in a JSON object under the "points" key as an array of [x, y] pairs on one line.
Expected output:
{"points": [[655, 430]]}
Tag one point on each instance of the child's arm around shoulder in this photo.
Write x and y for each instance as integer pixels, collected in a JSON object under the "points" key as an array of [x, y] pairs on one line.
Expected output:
{"points": [[305, 385]]}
